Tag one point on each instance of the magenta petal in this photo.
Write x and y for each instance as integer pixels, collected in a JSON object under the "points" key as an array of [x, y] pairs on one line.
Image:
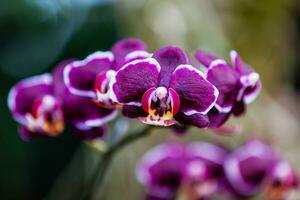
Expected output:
{"points": [[89, 133], [169, 58], [246, 168], [212, 155], [251, 93], [198, 120], [124, 47], [132, 111], [138, 54], [24, 93], [132, 80], [239, 108], [205, 58], [241, 67], [226, 79], [282, 182], [197, 95], [216, 118], [160, 170], [79, 76]]}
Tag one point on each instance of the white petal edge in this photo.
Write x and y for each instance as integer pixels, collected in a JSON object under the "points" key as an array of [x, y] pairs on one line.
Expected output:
{"points": [[249, 98], [207, 151], [216, 63], [233, 56], [97, 122], [28, 82], [82, 63], [137, 54], [216, 91], [151, 157]]}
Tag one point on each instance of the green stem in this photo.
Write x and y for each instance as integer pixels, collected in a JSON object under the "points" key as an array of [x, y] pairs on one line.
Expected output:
{"points": [[103, 164]]}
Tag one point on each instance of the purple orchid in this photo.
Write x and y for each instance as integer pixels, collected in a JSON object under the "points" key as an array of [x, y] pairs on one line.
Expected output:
{"points": [[90, 77], [43, 106], [164, 89], [83, 117], [282, 182], [247, 167], [161, 170], [238, 85], [173, 168], [33, 104], [204, 170]]}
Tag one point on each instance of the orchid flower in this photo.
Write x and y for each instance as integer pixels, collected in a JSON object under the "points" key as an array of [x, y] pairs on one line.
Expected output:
{"points": [[164, 89], [91, 77], [238, 85]]}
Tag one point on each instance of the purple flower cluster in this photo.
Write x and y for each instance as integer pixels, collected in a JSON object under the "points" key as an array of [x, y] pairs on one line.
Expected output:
{"points": [[163, 88], [43, 106], [204, 170]]}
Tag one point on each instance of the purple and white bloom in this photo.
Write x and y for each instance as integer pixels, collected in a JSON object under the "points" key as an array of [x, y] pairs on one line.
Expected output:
{"points": [[204, 170], [247, 167], [238, 85], [171, 168], [164, 89], [83, 117], [34, 106], [90, 77], [161, 170], [282, 182]]}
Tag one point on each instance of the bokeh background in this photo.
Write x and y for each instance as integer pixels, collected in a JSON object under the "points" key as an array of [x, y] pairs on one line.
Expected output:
{"points": [[36, 34]]}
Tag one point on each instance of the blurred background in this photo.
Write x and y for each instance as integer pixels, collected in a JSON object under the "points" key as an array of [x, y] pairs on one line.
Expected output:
{"points": [[36, 34]]}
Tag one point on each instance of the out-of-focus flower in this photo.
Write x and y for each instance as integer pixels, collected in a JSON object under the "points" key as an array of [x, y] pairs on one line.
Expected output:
{"points": [[203, 171], [282, 182], [83, 117], [164, 89], [247, 167], [33, 104], [90, 77], [161, 170], [238, 85], [170, 169], [43, 106]]}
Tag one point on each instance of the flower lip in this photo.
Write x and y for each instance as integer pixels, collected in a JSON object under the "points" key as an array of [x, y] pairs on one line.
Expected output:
{"points": [[25, 87], [103, 93], [161, 104], [46, 116]]}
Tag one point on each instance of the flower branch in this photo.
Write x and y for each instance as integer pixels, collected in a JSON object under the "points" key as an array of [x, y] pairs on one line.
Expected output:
{"points": [[99, 174]]}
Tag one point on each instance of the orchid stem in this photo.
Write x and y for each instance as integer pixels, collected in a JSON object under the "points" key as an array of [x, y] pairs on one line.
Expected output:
{"points": [[99, 174]]}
